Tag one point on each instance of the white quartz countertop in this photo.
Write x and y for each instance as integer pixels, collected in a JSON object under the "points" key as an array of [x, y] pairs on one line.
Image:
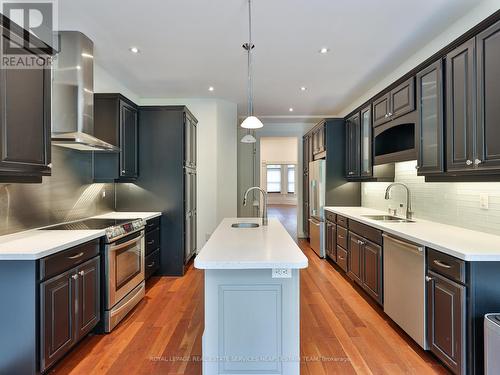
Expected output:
{"points": [[38, 243], [459, 242], [250, 248]]}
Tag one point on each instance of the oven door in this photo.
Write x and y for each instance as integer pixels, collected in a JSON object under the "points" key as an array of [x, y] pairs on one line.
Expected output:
{"points": [[124, 266]]}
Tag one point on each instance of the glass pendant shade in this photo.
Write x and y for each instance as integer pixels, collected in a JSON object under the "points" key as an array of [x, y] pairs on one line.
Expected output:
{"points": [[252, 122], [248, 138]]}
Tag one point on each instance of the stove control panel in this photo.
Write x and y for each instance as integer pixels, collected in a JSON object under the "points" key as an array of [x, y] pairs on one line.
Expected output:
{"points": [[122, 229]]}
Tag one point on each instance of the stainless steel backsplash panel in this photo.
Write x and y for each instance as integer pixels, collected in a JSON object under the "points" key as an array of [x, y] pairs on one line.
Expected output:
{"points": [[69, 194]]}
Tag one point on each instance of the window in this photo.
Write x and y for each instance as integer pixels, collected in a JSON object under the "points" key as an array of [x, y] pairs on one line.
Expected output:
{"points": [[280, 178], [291, 179], [274, 178]]}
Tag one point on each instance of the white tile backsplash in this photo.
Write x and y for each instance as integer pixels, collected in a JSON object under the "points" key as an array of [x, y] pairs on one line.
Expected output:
{"points": [[450, 203]]}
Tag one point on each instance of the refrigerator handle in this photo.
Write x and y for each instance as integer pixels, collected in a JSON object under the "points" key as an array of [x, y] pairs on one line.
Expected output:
{"points": [[312, 209]]}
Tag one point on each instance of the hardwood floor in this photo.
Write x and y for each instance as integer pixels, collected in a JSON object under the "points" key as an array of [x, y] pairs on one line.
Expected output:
{"points": [[287, 214], [341, 332]]}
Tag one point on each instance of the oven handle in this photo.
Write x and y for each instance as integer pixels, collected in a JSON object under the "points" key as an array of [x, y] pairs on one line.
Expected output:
{"points": [[125, 244]]}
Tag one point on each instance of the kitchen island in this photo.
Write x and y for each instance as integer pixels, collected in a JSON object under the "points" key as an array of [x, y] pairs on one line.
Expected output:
{"points": [[252, 295]]}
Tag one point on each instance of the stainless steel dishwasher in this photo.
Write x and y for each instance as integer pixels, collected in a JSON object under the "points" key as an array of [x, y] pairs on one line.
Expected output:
{"points": [[404, 286]]}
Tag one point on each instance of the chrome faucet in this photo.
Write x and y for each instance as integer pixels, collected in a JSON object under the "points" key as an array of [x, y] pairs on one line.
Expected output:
{"points": [[409, 212], [264, 209]]}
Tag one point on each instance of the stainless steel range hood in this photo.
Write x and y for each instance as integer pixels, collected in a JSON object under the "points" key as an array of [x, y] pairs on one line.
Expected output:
{"points": [[73, 95]]}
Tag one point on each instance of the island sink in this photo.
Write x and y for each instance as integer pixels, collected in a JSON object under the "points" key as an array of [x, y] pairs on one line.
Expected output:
{"points": [[245, 225]]}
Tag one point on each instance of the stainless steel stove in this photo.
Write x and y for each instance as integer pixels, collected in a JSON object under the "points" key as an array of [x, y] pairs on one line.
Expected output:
{"points": [[124, 257], [115, 228]]}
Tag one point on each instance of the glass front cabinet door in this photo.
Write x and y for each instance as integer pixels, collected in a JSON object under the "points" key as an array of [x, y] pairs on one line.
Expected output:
{"points": [[430, 120]]}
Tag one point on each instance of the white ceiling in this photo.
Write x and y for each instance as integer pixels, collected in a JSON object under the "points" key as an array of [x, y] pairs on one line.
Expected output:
{"points": [[188, 45]]}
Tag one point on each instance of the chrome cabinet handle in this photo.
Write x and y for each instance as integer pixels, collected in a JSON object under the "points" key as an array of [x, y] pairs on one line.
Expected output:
{"points": [[75, 276], [468, 162], [341, 236], [428, 278], [81, 273], [76, 256], [441, 264], [151, 242], [477, 161], [360, 242]]}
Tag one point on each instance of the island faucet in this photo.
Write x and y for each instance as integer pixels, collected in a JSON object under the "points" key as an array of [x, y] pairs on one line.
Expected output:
{"points": [[264, 209], [409, 212]]}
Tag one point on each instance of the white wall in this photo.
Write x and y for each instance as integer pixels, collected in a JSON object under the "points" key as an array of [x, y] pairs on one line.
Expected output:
{"points": [[216, 164], [105, 83], [445, 202], [278, 150], [484, 9]]}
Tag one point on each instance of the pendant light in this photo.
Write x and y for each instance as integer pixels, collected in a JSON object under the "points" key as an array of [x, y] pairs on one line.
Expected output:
{"points": [[248, 138], [251, 122]]}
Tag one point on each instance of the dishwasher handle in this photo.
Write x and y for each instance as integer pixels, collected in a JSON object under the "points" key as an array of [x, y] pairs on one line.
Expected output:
{"points": [[412, 247]]}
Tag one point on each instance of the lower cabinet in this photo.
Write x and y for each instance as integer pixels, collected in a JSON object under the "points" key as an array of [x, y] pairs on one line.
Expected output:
{"points": [[69, 309], [365, 265], [331, 240], [152, 261], [446, 321]]}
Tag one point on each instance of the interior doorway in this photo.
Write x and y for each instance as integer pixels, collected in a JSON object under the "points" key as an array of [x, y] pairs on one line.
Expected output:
{"points": [[279, 177]]}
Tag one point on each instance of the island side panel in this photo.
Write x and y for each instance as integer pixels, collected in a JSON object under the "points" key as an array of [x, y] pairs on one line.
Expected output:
{"points": [[252, 323]]}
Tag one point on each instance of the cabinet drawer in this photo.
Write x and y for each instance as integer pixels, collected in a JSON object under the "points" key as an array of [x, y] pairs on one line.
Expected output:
{"points": [[342, 237], [152, 240], [152, 263], [330, 216], [64, 260], [342, 258], [366, 231], [341, 220], [152, 224], [446, 265]]}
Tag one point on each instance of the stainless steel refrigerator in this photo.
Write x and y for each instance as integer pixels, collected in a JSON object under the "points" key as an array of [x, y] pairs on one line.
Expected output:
{"points": [[317, 181]]}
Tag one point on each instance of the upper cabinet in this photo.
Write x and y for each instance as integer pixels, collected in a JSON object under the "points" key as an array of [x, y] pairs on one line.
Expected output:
{"points": [[472, 107], [430, 126], [488, 92], [190, 141], [353, 146], [366, 142], [319, 141], [25, 121], [397, 102], [115, 121], [460, 107]]}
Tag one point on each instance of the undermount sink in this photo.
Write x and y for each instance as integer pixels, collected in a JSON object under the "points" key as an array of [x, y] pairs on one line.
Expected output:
{"points": [[245, 225], [393, 219]]}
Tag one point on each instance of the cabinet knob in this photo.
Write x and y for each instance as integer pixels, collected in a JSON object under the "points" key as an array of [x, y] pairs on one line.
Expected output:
{"points": [[81, 273], [386, 115], [123, 170], [468, 162], [417, 166], [428, 278], [75, 276], [477, 161]]}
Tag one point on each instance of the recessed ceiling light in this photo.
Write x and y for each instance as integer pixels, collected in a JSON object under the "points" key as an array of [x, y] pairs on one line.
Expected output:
{"points": [[134, 49], [324, 50], [303, 88], [290, 109], [211, 88]]}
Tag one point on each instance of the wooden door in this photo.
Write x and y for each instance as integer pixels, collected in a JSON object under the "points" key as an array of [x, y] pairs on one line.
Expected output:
{"points": [[355, 258], [352, 146], [128, 141], [381, 110], [488, 94], [57, 316], [460, 114], [372, 269], [25, 124], [446, 321], [430, 123], [89, 298]]}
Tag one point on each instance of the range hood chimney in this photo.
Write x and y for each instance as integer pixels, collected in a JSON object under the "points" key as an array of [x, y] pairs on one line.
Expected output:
{"points": [[73, 95]]}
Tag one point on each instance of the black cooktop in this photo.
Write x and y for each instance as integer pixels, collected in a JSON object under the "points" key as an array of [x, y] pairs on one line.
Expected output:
{"points": [[90, 224]]}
